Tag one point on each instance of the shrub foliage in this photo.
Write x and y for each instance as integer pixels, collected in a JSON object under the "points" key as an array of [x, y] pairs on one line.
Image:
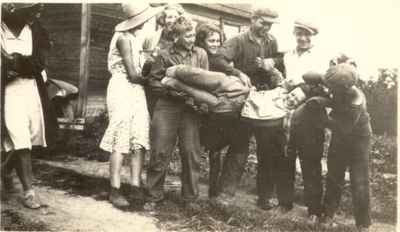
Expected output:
{"points": [[382, 101]]}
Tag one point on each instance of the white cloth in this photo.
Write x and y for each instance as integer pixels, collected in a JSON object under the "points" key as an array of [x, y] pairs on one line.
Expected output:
{"points": [[23, 113], [21, 44], [271, 104], [129, 118], [296, 65]]}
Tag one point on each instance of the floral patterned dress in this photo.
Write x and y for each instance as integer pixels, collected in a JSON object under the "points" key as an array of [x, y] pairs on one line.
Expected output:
{"points": [[129, 118]]}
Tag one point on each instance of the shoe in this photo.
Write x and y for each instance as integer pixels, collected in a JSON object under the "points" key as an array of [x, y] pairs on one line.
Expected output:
{"points": [[313, 219], [117, 199], [265, 204], [284, 208], [31, 201], [150, 206], [192, 206], [362, 229], [222, 200], [136, 193], [329, 222]]}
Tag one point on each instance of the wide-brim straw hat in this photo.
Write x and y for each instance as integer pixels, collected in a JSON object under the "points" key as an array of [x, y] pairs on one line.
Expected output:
{"points": [[136, 14]]}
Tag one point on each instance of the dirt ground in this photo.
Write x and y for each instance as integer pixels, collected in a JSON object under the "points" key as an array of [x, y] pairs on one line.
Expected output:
{"points": [[74, 194]]}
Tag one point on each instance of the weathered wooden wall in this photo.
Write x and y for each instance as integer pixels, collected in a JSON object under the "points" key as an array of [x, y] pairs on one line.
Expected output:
{"points": [[213, 12], [104, 19], [63, 22]]}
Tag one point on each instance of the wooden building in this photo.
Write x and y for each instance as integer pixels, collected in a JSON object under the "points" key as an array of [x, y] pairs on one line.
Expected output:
{"points": [[81, 33]]}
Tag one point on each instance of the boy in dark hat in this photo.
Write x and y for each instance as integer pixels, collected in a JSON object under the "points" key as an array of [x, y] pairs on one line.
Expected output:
{"points": [[350, 144]]}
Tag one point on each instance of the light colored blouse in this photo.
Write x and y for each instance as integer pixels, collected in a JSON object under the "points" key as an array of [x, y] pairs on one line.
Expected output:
{"points": [[12, 44], [115, 61]]}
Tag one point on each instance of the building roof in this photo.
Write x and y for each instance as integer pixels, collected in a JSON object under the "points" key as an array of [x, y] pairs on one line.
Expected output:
{"points": [[242, 9]]}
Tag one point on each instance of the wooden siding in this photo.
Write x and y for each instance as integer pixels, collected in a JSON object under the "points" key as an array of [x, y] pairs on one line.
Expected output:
{"points": [[63, 21], [217, 11], [104, 19]]}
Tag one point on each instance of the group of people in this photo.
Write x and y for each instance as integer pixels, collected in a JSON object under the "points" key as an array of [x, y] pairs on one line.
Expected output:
{"points": [[145, 114]]}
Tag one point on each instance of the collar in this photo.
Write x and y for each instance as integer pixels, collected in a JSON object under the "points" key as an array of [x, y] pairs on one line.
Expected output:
{"points": [[166, 35], [252, 38], [295, 51], [6, 32], [174, 50]]}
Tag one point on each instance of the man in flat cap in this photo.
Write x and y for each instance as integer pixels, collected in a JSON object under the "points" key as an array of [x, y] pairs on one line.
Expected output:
{"points": [[247, 51], [307, 136]]}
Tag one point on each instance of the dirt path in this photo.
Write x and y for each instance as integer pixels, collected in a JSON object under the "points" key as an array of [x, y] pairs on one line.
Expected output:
{"points": [[76, 213], [76, 194]]}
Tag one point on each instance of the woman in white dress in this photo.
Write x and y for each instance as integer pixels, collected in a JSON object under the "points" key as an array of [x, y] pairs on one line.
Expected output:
{"points": [[128, 129], [25, 106]]}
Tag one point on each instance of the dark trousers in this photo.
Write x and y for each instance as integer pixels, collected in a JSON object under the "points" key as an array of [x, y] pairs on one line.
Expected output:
{"points": [[274, 169], [151, 100], [352, 152], [307, 142], [236, 157], [214, 179], [218, 132], [308, 145], [173, 120]]}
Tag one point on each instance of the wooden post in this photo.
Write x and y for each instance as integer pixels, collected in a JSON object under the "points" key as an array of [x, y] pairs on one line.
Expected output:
{"points": [[84, 60], [221, 27]]}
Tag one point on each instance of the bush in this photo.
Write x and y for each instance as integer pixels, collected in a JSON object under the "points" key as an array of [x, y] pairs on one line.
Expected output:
{"points": [[86, 143], [382, 101], [384, 154]]}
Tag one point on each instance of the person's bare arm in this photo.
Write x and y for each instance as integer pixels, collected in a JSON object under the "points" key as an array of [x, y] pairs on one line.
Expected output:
{"points": [[124, 46]]}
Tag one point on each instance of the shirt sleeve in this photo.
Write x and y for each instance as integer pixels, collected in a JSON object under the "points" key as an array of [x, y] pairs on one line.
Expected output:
{"points": [[230, 49], [228, 52], [346, 122], [277, 56], [157, 73], [204, 60]]}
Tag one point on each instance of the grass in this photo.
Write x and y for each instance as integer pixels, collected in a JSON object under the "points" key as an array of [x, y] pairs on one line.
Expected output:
{"points": [[383, 184]]}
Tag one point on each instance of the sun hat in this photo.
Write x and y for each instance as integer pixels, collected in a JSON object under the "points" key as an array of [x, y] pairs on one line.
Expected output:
{"points": [[266, 14], [136, 13], [306, 25]]}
